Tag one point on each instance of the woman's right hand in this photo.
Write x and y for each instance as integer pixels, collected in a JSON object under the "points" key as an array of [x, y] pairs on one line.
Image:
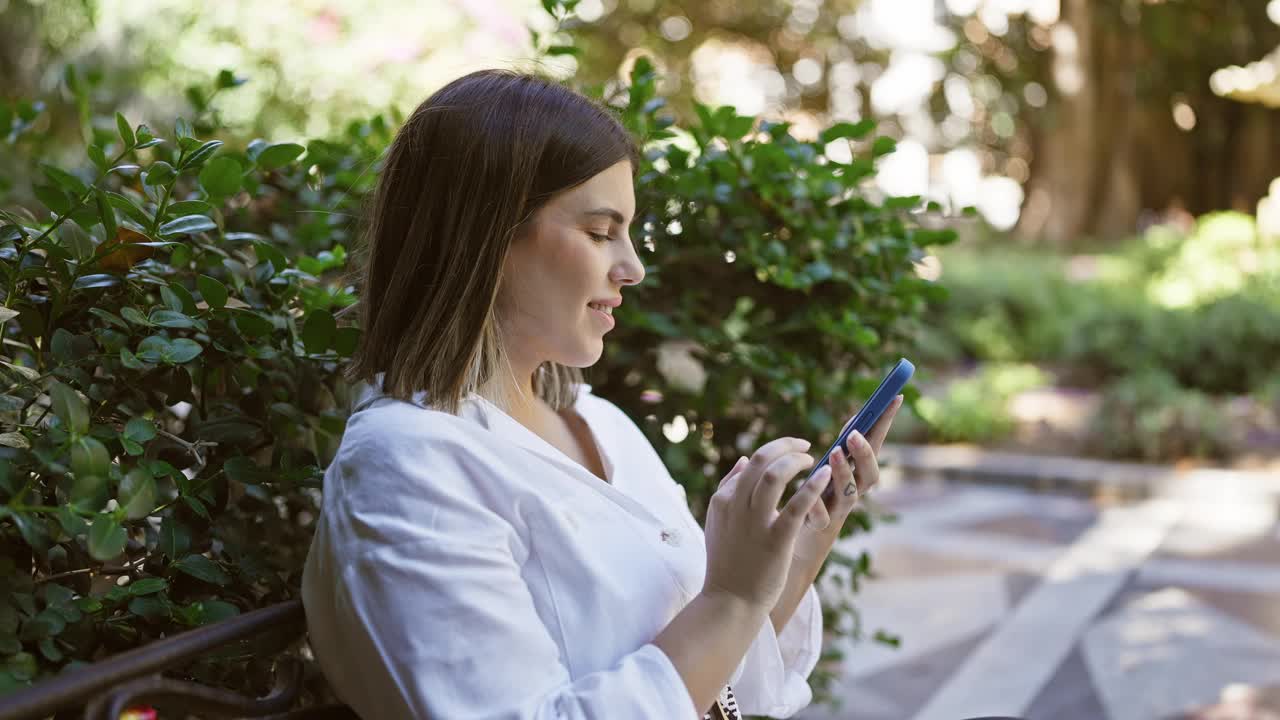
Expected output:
{"points": [[749, 541]]}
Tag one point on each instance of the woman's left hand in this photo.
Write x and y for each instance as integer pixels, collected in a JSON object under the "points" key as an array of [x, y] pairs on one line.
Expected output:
{"points": [[849, 481]]}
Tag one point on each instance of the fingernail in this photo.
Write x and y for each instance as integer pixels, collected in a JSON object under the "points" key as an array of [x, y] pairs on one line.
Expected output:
{"points": [[858, 439], [806, 444]]}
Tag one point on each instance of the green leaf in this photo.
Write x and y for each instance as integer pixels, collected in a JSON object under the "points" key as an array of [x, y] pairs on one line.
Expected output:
{"points": [[150, 608], [175, 538], [171, 319], [564, 50], [214, 292], [129, 208], [89, 457], [883, 146], [187, 225], [106, 538], [22, 666], [134, 315], [204, 152], [49, 650], [131, 361], [188, 207], [855, 131], [188, 301], [33, 531], [317, 332], [345, 340], [221, 177], [269, 253], [212, 611], [126, 133], [105, 212], [244, 470], [159, 349], [137, 494], [184, 350], [252, 324], [66, 181], [171, 299], [62, 346], [182, 128], [153, 349], [98, 157], [160, 173], [53, 198], [202, 568], [69, 408], [140, 429], [147, 586], [71, 522], [227, 79], [278, 155]]}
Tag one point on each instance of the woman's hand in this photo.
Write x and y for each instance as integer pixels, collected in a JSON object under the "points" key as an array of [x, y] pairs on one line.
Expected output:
{"points": [[827, 516], [851, 480], [749, 541]]}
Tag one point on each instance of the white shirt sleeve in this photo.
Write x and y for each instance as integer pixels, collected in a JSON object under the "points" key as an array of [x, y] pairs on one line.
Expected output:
{"points": [[774, 674], [445, 628], [418, 608]]}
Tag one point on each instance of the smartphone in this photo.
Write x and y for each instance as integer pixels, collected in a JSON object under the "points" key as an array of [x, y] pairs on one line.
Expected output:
{"points": [[868, 414]]}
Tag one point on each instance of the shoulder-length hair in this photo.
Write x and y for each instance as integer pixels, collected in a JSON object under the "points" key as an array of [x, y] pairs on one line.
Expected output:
{"points": [[469, 167]]}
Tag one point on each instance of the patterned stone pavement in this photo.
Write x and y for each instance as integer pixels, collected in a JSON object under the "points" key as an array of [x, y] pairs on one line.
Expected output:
{"points": [[1052, 607]]}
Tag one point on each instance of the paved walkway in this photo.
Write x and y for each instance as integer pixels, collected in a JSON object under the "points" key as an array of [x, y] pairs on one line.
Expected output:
{"points": [[1051, 606]]}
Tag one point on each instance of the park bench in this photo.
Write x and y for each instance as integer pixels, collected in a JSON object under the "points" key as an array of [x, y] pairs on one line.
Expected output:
{"points": [[105, 689]]}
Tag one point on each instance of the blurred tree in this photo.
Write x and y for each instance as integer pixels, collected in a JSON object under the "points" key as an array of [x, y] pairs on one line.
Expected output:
{"points": [[1101, 109]]}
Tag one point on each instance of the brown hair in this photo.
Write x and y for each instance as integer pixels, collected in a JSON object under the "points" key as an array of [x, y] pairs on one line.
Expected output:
{"points": [[468, 168]]}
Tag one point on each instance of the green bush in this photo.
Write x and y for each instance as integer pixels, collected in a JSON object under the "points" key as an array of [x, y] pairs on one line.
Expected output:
{"points": [[1000, 305], [1231, 344], [1150, 417], [976, 408], [1023, 308], [171, 384], [172, 359], [1223, 255]]}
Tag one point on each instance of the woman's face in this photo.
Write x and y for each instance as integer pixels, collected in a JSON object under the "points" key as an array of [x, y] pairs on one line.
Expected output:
{"points": [[576, 252]]}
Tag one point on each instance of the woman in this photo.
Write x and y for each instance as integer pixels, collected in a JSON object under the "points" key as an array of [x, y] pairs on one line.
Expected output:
{"points": [[496, 541]]}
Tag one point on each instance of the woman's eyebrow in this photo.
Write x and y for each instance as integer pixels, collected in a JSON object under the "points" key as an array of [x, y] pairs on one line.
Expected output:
{"points": [[607, 212]]}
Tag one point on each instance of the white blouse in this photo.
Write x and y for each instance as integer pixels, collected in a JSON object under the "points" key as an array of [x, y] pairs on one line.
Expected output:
{"points": [[463, 567]]}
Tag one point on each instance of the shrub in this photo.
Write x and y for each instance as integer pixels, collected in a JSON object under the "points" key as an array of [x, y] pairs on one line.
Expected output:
{"points": [[1150, 417], [172, 356], [976, 409], [171, 385]]}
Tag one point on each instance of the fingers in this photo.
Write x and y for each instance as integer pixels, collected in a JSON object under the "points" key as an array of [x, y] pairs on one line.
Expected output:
{"points": [[818, 517], [739, 487], [773, 480], [866, 469], [843, 480], [881, 428], [733, 472], [809, 494]]}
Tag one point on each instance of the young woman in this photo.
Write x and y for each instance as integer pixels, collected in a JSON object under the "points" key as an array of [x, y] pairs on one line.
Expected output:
{"points": [[496, 541]]}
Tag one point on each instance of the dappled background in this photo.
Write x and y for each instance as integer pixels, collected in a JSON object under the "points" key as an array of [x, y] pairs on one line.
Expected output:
{"points": [[1064, 211], [1114, 298]]}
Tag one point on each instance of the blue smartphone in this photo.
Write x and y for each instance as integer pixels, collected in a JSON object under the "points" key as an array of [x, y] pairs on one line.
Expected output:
{"points": [[868, 414]]}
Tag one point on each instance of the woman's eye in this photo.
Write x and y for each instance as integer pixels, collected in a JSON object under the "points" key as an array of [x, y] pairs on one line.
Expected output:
{"points": [[599, 238]]}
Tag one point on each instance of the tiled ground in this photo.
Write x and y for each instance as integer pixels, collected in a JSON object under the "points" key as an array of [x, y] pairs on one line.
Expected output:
{"points": [[1056, 608]]}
